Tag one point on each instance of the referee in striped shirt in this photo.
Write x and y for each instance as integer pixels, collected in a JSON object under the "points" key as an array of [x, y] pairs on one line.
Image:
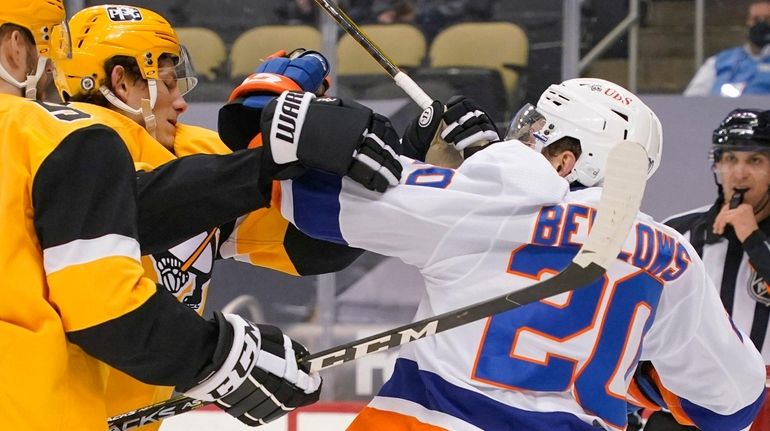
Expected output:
{"points": [[732, 236]]}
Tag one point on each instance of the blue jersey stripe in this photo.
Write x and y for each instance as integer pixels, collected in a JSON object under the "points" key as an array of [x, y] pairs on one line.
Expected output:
{"points": [[317, 206], [707, 420], [434, 393]]}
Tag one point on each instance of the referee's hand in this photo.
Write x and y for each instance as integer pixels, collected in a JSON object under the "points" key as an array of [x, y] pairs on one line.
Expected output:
{"points": [[740, 218]]}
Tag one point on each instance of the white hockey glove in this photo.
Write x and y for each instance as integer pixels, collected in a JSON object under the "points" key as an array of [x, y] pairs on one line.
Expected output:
{"points": [[255, 376], [329, 134], [441, 139]]}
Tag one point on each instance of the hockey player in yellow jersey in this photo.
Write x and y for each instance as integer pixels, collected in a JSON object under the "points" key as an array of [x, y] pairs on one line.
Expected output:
{"points": [[109, 68], [73, 298]]}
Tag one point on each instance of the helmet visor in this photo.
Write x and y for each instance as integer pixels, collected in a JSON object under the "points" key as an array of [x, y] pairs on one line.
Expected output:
{"points": [[181, 75], [737, 149], [747, 160], [526, 126]]}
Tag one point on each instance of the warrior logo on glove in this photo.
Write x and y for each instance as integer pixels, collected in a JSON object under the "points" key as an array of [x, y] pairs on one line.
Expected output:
{"points": [[331, 135], [290, 119], [426, 117]]}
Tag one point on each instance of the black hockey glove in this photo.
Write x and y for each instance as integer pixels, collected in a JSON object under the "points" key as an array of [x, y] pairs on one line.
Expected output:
{"points": [[423, 132], [467, 124], [461, 124], [254, 374], [332, 135]]}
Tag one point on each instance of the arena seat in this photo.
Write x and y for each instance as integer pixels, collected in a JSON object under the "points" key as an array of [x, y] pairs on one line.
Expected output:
{"points": [[501, 46], [403, 43], [207, 50]]}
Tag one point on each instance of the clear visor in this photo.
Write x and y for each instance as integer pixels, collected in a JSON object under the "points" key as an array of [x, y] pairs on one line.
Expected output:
{"points": [[181, 76], [741, 146], [526, 126], [59, 44]]}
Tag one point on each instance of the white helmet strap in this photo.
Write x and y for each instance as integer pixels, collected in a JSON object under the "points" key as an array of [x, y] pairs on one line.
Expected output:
{"points": [[145, 110], [572, 176], [30, 85]]}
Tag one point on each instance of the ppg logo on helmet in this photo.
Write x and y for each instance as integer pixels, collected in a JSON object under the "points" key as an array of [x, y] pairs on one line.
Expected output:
{"points": [[426, 117], [123, 13]]}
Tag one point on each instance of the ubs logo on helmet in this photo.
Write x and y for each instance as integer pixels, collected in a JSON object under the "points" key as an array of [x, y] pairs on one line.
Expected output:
{"points": [[616, 95], [123, 13]]}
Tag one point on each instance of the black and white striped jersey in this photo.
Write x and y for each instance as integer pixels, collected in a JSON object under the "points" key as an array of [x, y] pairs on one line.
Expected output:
{"points": [[738, 270]]}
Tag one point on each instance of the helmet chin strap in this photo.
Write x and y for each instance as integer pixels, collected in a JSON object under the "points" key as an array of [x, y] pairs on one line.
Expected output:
{"points": [[581, 169], [30, 85], [146, 105], [572, 176]]}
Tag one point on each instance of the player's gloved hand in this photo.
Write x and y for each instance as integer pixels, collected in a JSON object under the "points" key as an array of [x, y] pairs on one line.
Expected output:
{"points": [[299, 70], [332, 135], [254, 375], [467, 124], [461, 124], [308, 69]]}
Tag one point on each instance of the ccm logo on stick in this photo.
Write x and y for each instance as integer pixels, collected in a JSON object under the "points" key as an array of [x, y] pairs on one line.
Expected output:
{"points": [[376, 345]]}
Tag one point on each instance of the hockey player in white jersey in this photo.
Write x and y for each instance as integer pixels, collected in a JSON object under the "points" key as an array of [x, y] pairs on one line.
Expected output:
{"points": [[508, 217]]}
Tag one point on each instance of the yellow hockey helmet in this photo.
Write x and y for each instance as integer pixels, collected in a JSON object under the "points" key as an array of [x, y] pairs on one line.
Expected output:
{"points": [[102, 32], [41, 18]]}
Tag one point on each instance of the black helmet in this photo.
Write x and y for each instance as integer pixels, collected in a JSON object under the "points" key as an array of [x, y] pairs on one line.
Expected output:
{"points": [[742, 130]]}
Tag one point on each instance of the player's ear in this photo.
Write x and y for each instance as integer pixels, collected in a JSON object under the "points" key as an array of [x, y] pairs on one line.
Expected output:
{"points": [[119, 81], [564, 162], [13, 52]]}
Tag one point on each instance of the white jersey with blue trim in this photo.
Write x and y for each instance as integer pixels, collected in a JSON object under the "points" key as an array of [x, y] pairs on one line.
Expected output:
{"points": [[499, 223]]}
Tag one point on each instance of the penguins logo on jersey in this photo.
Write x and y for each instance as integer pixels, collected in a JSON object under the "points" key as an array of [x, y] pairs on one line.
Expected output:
{"points": [[172, 276], [758, 288], [185, 269]]}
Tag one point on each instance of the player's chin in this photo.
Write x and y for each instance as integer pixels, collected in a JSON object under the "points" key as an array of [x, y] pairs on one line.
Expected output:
{"points": [[166, 134]]}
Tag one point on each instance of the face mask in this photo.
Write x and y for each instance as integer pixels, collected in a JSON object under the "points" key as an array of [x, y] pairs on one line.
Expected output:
{"points": [[759, 34]]}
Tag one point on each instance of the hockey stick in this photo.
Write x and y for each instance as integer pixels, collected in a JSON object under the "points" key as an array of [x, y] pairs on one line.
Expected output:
{"points": [[439, 153], [402, 79], [621, 197]]}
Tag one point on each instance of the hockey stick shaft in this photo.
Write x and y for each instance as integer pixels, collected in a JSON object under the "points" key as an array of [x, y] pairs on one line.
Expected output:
{"points": [[620, 201], [402, 79]]}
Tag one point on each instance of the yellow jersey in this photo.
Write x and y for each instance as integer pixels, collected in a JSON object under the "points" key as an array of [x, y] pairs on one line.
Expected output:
{"points": [[73, 296], [261, 237]]}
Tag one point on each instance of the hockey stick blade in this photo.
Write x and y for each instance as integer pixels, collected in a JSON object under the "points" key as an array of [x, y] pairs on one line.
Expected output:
{"points": [[621, 198]]}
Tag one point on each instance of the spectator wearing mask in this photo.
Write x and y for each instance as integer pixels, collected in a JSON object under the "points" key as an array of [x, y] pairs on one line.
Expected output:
{"points": [[742, 69]]}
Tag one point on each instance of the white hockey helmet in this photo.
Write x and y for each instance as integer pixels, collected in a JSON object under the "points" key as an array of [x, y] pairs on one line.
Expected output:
{"points": [[597, 113]]}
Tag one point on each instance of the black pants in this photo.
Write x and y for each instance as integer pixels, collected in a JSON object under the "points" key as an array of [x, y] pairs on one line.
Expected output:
{"points": [[662, 421]]}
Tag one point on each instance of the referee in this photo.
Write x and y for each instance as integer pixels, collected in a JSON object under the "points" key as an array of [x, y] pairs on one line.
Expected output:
{"points": [[731, 236]]}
